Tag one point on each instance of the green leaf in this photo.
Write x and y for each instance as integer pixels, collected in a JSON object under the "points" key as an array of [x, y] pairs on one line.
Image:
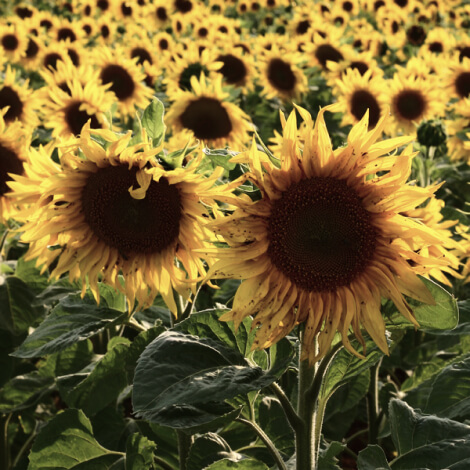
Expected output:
{"points": [[152, 121], [30, 274], [67, 442], [345, 366], [182, 380], [245, 464], [447, 394], [17, 312], [412, 429], [93, 391], [221, 157], [205, 450], [74, 358], [139, 452], [372, 458], [23, 391], [444, 315], [73, 319]]}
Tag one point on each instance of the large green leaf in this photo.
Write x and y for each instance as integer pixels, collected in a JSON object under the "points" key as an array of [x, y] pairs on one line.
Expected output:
{"points": [[17, 312], [73, 319], [412, 429], [183, 380], [139, 452], [447, 394], [444, 315], [67, 442], [152, 121], [372, 458], [93, 391]]}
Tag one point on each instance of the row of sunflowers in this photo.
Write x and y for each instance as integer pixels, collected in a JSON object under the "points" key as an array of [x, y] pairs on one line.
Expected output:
{"points": [[300, 166]]}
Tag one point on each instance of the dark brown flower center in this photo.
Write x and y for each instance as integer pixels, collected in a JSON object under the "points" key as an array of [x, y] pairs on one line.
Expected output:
{"points": [[122, 84], [9, 97], [76, 118], [131, 225], [192, 70], [142, 54], [401, 3], [233, 70], [32, 49], [462, 84], [183, 6], [281, 76], [378, 4], [24, 12], [74, 57], [102, 4], [416, 35], [87, 29], [51, 59], [163, 44], [362, 67], [436, 47], [87, 10], [46, 24], [361, 101], [66, 33], [126, 10], [9, 163], [207, 118], [410, 104], [161, 13], [320, 235], [326, 52], [347, 6], [302, 26], [10, 42], [464, 52]]}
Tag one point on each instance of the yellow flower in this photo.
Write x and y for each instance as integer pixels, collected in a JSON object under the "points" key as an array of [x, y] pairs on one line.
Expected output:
{"points": [[116, 215], [328, 238]]}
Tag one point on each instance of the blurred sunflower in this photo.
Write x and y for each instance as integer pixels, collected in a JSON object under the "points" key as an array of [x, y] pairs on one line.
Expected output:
{"points": [[439, 41], [413, 100], [66, 113], [65, 30], [458, 79], [125, 79], [357, 93], [32, 57], [52, 54], [457, 128], [118, 217], [327, 240], [164, 42], [206, 112], [14, 142], [279, 74], [13, 42], [329, 48], [20, 100], [236, 68]]}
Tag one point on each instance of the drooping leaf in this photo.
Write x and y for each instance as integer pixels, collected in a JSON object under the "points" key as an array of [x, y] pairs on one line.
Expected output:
{"points": [[73, 319], [17, 312], [207, 449], [444, 315], [66, 442], [93, 391], [372, 458], [221, 157], [152, 121]]}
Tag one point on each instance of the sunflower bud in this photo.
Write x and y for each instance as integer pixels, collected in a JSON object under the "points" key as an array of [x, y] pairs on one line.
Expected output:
{"points": [[431, 133]]}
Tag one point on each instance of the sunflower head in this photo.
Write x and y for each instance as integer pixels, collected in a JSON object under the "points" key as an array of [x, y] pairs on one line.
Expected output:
{"points": [[328, 239]]}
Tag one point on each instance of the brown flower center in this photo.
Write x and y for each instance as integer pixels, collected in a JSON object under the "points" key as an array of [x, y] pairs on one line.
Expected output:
{"points": [[326, 52], [161, 13], [142, 54], [131, 225], [361, 67], [233, 70], [361, 100], [183, 6], [10, 42], [102, 4], [462, 84], [192, 70], [9, 97], [51, 59], [207, 118], [76, 118], [122, 84], [281, 76], [416, 35], [66, 33], [9, 163], [320, 235], [32, 49], [410, 104]]}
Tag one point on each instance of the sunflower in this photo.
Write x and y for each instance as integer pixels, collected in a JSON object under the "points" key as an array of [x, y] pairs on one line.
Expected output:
{"points": [[14, 142], [66, 113], [457, 82], [362, 62], [329, 48], [327, 240], [52, 54], [412, 100], [237, 68], [280, 75], [159, 13], [13, 42], [125, 79], [65, 30], [106, 28], [118, 216], [357, 93], [32, 57], [19, 98], [439, 40], [164, 42], [457, 128], [206, 112]]}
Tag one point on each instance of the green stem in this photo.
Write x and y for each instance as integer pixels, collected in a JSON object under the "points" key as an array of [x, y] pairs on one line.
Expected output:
{"points": [[184, 444], [25, 446], [5, 460], [267, 442], [373, 404], [289, 410]]}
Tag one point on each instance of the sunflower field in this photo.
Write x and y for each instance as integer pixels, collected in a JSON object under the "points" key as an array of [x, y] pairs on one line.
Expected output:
{"points": [[235, 235]]}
